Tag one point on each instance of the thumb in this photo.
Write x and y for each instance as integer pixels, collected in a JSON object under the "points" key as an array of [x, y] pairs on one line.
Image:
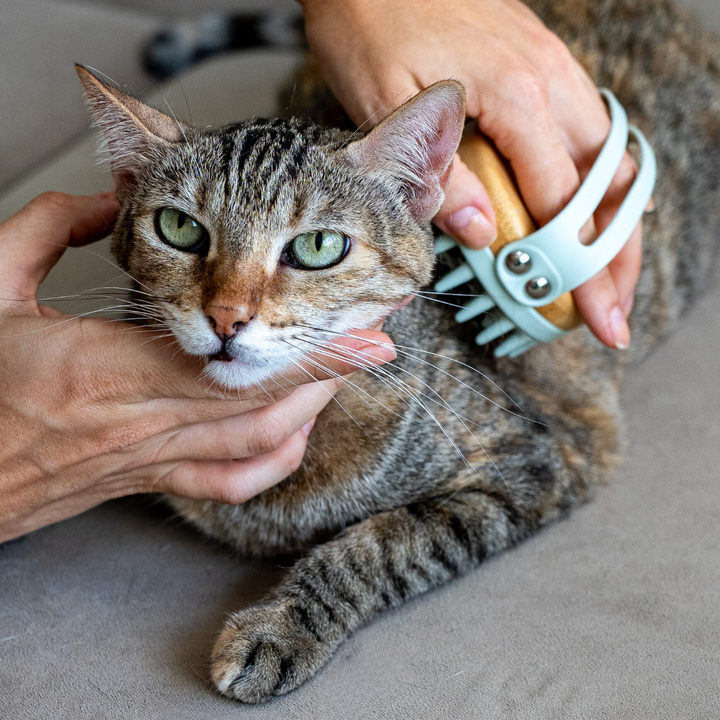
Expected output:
{"points": [[467, 214], [34, 239]]}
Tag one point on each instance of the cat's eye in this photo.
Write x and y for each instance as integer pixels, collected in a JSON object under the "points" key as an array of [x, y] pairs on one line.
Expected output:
{"points": [[180, 230], [317, 250]]}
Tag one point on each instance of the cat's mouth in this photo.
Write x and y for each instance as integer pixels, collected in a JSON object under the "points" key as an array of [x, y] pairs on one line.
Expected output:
{"points": [[222, 356]]}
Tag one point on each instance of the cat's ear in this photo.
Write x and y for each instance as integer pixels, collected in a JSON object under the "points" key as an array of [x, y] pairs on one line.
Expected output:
{"points": [[416, 144], [132, 130]]}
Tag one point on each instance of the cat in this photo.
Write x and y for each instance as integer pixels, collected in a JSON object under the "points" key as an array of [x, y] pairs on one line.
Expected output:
{"points": [[427, 466]]}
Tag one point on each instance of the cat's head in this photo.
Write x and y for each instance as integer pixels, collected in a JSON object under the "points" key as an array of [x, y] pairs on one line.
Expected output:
{"points": [[262, 239]]}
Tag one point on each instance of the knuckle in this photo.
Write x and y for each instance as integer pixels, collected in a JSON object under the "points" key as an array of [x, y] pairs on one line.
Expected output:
{"points": [[556, 55], [293, 459], [233, 494], [86, 377], [268, 435], [626, 173], [51, 200], [530, 94]]}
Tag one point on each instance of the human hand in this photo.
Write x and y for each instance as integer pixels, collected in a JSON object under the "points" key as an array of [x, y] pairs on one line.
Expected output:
{"points": [[89, 410], [528, 94]]}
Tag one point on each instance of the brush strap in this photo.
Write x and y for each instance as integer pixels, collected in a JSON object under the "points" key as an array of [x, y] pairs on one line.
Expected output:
{"points": [[556, 261]]}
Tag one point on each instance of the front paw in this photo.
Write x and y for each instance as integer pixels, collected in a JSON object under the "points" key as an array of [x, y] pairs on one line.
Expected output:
{"points": [[261, 652]]}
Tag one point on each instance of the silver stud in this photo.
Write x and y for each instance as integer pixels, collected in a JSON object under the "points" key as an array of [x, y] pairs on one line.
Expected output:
{"points": [[538, 288], [518, 262]]}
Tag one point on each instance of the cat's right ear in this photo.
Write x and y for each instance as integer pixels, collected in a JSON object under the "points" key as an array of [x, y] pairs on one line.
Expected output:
{"points": [[132, 130], [416, 145]]}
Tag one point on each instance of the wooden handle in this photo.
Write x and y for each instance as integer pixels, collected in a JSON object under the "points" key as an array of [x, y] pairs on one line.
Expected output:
{"points": [[513, 219]]}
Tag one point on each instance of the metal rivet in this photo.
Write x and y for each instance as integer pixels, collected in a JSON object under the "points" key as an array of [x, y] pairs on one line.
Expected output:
{"points": [[518, 262], [538, 288]]}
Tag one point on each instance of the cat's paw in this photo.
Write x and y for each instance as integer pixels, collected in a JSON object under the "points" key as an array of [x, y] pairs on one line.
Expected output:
{"points": [[261, 652]]}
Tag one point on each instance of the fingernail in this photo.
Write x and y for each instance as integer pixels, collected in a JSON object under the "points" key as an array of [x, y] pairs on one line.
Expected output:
{"points": [[308, 426], [383, 353], [620, 329], [471, 227]]}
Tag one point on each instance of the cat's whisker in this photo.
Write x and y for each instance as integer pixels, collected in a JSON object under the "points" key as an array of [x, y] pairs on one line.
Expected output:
{"points": [[323, 349], [103, 291], [172, 112], [124, 272], [154, 338], [312, 377], [440, 302], [262, 387], [72, 318], [360, 392], [412, 392], [445, 405], [393, 384], [456, 294], [405, 350], [205, 373], [363, 366]]}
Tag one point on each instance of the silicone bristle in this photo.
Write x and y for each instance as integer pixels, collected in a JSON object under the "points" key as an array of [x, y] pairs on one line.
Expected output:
{"points": [[458, 276], [513, 343], [498, 328], [526, 346], [443, 244], [475, 307]]}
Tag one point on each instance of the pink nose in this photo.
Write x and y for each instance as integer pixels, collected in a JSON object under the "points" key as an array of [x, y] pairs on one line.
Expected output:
{"points": [[227, 321]]}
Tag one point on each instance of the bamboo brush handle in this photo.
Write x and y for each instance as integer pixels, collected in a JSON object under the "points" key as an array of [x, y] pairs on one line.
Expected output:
{"points": [[513, 219]]}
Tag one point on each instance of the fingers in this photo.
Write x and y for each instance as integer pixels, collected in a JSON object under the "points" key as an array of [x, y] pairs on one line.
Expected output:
{"points": [[549, 172], [546, 174], [466, 213], [227, 481], [35, 238], [625, 270], [605, 301], [235, 481], [257, 432], [597, 301]]}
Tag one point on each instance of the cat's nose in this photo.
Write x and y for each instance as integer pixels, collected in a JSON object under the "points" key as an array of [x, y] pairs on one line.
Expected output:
{"points": [[227, 321]]}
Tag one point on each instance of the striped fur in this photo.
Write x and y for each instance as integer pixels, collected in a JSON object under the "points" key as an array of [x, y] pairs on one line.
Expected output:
{"points": [[428, 466]]}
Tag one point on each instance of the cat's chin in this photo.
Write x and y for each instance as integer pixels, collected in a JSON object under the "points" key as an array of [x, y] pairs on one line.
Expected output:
{"points": [[241, 373]]}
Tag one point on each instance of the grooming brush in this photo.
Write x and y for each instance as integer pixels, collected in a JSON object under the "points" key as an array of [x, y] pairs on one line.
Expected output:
{"points": [[527, 273]]}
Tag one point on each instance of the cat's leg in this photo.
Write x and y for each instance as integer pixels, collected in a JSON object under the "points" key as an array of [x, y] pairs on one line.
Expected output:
{"points": [[274, 647]]}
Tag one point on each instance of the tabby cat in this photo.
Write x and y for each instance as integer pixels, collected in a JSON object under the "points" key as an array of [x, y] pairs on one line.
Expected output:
{"points": [[295, 234]]}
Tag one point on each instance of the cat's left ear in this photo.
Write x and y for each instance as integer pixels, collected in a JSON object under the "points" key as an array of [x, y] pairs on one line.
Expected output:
{"points": [[132, 130], [416, 145]]}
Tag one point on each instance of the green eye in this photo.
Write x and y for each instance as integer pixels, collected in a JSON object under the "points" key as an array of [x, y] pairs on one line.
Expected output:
{"points": [[181, 231], [316, 250]]}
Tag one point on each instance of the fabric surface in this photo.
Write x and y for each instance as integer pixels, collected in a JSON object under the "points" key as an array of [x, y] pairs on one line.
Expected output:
{"points": [[614, 613], [40, 99]]}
